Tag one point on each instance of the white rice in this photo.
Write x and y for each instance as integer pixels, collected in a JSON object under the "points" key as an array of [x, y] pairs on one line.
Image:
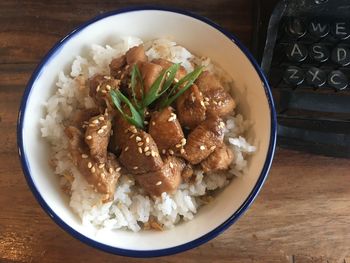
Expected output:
{"points": [[131, 206]]}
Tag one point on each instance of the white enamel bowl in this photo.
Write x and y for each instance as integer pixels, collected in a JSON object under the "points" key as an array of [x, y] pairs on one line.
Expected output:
{"points": [[200, 36]]}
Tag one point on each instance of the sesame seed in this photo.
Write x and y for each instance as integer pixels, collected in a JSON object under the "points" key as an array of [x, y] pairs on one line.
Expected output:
{"points": [[138, 138], [108, 87], [118, 169], [89, 137], [89, 164], [215, 102], [132, 136], [126, 149], [212, 148], [145, 122], [220, 103], [91, 125], [106, 77], [148, 153], [101, 118], [119, 71], [176, 80], [135, 168], [104, 91], [206, 103], [140, 144], [202, 103], [193, 98], [101, 165], [140, 150], [93, 169], [163, 151], [200, 93], [110, 170], [171, 165], [134, 130], [146, 149], [159, 183], [147, 140], [182, 151], [100, 131], [222, 124], [104, 127], [98, 184], [179, 145], [153, 153], [84, 156], [103, 175], [95, 121], [202, 147], [206, 99], [183, 141], [172, 117], [112, 132], [153, 123], [171, 151]]}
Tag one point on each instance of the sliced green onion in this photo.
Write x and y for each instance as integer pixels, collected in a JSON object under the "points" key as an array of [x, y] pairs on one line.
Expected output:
{"points": [[156, 90], [135, 118], [189, 79]]}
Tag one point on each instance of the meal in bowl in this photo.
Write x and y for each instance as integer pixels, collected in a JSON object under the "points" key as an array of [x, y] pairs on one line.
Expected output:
{"points": [[144, 134]]}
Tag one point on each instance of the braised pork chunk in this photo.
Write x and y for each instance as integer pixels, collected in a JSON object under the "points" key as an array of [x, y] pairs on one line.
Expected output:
{"points": [[166, 179], [203, 140], [191, 108], [102, 176], [166, 130], [219, 160]]}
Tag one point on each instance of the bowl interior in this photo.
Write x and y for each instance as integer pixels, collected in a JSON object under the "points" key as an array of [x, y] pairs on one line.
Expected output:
{"points": [[201, 39]]}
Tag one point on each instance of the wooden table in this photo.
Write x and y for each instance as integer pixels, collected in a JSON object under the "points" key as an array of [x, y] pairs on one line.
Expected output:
{"points": [[301, 215]]}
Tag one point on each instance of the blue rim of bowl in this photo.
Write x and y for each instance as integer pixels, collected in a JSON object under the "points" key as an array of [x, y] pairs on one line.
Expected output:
{"points": [[167, 251]]}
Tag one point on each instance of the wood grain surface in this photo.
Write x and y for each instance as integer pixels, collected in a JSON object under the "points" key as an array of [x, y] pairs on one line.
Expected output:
{"points": [[301, 215]]}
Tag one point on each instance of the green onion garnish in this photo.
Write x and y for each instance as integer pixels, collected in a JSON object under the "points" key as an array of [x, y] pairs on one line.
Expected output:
{"points": [[160, 86], [156, 90], [189, 79], [135, 118]]}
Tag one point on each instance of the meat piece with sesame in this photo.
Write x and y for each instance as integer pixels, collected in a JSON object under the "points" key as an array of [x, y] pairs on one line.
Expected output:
{"points": [[165, 64], [121, 128], [102, 176], [97, 136], [80, 118], [99, 87], [166, 130], [191, 108], [166, 179], [219, 160], [217, 100], [139, 153], [220, 102], [203, 140]]}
